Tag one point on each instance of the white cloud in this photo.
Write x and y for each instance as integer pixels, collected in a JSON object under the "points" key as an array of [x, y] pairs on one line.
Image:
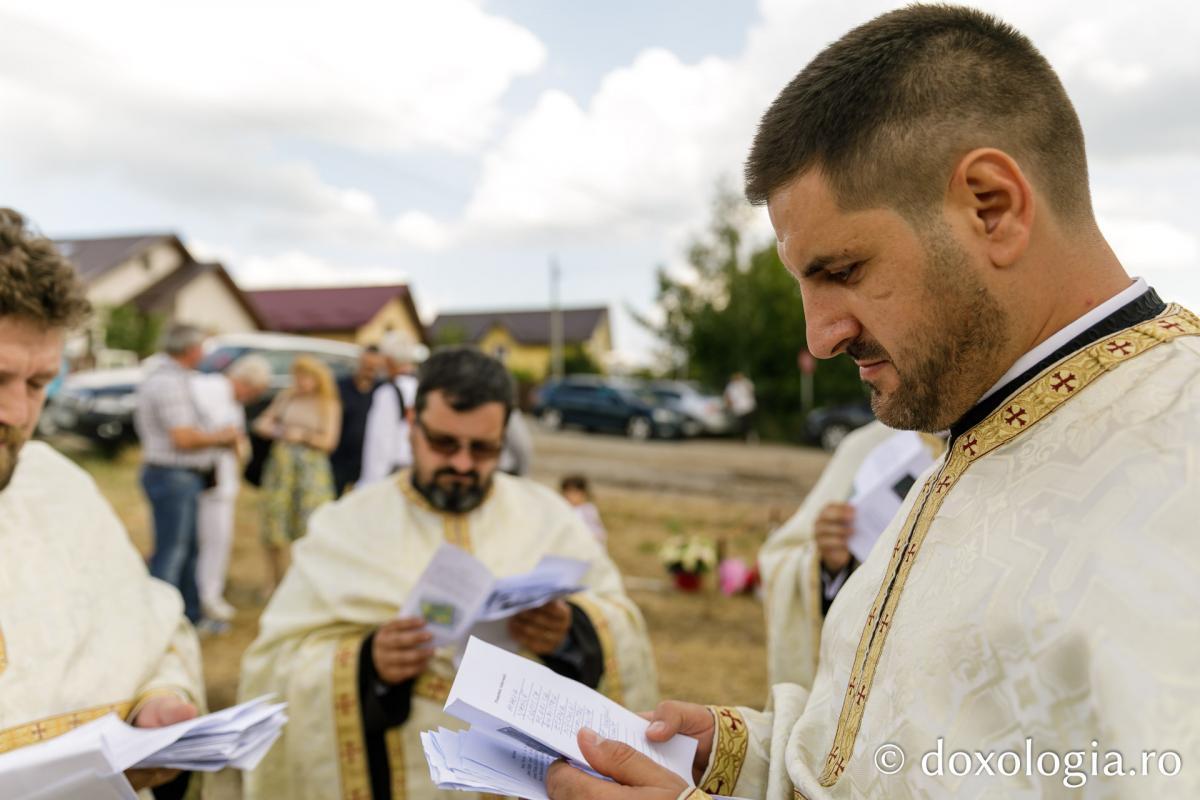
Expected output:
{"points": [[197, 105], [291, 268]]}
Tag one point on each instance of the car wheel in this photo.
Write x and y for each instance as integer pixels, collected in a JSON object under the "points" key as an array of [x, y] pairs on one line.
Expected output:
{"points": [[639, 429], [692, 429], [552, 419], [832, 435]]}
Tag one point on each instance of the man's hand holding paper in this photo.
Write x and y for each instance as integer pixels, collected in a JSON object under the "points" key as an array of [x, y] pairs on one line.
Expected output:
{"points": [[401, 649], [158, 712], [542, 630]]}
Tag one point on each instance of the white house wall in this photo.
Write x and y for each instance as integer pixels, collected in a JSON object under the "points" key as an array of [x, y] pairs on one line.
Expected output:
{"points": [[207, 303], [122, 283]]}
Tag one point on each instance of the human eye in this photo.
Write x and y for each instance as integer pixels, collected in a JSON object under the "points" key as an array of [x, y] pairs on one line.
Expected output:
{"points": [[844, 274]]}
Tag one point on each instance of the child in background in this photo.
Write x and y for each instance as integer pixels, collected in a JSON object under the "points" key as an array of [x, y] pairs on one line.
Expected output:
{"points": [[575, 489]]}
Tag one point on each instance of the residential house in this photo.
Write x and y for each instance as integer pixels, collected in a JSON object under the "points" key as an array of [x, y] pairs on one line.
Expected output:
{"points": [[359, 314], [522, 338], [155, 274]]}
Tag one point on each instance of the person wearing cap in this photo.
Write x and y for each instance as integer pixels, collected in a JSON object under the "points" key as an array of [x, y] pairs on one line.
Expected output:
{"points": [[385, 444]]}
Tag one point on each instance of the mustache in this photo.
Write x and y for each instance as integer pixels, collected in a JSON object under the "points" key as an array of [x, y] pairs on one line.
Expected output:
{"points": [[451, 472], [863, 350]]}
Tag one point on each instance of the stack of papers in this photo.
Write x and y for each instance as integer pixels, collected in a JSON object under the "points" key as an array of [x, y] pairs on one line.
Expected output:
{"points": [[89, 761], [523, 716], [457, 592]]}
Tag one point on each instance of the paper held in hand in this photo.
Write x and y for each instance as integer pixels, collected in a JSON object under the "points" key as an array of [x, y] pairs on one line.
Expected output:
{"points": [[880, 486], [88, 763], [456, 591], [523, 716]]}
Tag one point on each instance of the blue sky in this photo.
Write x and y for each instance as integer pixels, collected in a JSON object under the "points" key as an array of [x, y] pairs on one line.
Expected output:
{"points": [[460, 144]]}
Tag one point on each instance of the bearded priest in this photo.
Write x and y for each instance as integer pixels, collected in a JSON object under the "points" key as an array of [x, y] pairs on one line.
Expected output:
{"points": [[1028, 625], [361, 681], [84, 630]]}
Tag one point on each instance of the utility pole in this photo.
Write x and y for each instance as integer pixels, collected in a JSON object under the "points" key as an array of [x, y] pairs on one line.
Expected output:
{"points": [[556, 321]]}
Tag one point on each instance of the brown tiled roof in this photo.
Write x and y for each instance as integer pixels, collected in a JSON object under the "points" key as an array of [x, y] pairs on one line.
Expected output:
{"points": [[96, 256], [527, 327], [159, 296], [342, 308]]}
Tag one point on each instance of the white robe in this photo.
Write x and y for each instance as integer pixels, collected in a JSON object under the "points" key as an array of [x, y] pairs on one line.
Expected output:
{"points": [[791, 567], [1043, 585], [84, 629], [353, 571]]}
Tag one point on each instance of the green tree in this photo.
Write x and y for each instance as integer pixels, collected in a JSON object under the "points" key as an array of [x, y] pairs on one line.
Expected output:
{"points": [[127, 328], [740, 311]]}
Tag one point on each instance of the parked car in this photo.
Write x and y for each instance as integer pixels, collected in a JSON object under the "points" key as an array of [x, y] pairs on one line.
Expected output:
{"points": [[827, 426], [98, 404], [606, 404], [703, 413]]}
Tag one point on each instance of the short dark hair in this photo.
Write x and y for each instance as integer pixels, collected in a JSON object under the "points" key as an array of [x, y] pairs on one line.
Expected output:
{"points": [[36, 282], [371, 348], [467, 378], [575, 481], [885, 112]]}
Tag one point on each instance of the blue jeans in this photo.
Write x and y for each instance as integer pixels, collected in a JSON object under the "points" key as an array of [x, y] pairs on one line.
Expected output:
{"points": [[174, 495]]}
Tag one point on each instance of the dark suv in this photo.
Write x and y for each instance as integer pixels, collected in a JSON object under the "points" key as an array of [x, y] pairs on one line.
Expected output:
{"points": [[606, 404]]}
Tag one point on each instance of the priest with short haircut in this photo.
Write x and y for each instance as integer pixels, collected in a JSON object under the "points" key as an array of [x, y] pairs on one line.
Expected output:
{"points": [[361, 680], [1028, 624]]}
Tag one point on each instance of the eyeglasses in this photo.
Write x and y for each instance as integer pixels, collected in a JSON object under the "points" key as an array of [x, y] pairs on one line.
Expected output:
{"points": [[447, 445]]}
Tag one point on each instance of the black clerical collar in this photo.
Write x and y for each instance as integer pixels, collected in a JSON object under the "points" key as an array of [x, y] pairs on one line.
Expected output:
{"points": [[1145, 307]]}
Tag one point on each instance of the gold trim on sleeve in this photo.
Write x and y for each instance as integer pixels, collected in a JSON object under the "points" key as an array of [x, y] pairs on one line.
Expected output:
{"points": [[50, 727], [433, 686], [1039, 398], [732, 738], [610, 681], [347, 720]]}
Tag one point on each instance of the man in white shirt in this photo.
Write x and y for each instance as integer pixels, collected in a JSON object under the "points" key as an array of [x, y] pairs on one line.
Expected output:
{"points": [[386, 447], [221, 400]]}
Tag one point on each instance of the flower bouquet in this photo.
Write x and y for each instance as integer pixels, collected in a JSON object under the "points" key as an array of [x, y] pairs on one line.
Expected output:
{"points": [[688, 558]]}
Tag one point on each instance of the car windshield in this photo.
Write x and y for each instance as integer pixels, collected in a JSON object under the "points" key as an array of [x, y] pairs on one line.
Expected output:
{"points": [[219, 359]]}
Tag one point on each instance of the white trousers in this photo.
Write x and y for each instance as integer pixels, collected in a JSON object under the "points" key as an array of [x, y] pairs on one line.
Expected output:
{"points": [[214, 523]]}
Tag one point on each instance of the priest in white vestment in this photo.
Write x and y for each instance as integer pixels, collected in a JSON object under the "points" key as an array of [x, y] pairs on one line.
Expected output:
{"points": [[84, 630], [799, 581], [357, 706], [1028, 625]]}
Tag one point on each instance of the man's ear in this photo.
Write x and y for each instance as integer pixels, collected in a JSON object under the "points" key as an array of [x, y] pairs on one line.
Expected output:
{"points": [[410, 416], [994, 197]]}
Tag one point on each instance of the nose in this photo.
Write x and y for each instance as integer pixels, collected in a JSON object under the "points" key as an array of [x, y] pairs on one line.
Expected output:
{"points": [[461, 461], [16, 406], [828, 324]]}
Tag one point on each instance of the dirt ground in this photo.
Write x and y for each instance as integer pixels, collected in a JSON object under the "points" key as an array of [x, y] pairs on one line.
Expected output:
{"points": [[708, 647]]}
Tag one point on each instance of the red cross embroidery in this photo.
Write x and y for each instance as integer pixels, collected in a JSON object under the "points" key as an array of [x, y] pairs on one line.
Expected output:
{"points": [[832, 755], [840, 768], [1063, 382], [1120, 347], [896, 549], [862, 694], [345, 703], [871, 618], [944, 483], [349, 751], [39, 730], [1167, 325], [852, 686], [970, 445], [358, 794], [344, 658], [910, 552], [1015, 415], [732, 719], [884, 622]]}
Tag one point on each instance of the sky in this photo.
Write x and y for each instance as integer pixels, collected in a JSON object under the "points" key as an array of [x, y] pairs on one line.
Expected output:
{"points": [[461, 145]]}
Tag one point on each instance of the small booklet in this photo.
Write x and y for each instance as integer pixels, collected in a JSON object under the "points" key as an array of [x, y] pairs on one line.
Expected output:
{"points": [[522, 717], [89, 762], [456, 591]]}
